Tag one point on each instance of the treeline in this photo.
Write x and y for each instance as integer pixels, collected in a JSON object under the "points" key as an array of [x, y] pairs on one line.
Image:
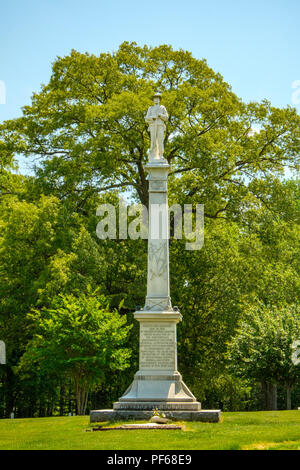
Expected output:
{"points": [[67, 298]]}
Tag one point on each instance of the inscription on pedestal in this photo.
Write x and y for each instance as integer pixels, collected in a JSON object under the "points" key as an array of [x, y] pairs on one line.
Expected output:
{"points": [[158, 346]]}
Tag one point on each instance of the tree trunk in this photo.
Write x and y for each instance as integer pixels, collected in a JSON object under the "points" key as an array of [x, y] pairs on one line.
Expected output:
{"points": [[288, 397], [70, 399], [61, 401], [81, 400], [263, 396], [269, 396], [273, 390], [81, 394]]}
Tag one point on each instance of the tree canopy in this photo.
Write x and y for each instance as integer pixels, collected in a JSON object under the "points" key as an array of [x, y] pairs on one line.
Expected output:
{"points": [[78, 337], [85, 133], [262, 347]]}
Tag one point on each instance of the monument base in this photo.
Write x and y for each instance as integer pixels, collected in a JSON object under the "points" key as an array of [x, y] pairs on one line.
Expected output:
{"points": [[205, 416], [163, 390], [158, 384]]}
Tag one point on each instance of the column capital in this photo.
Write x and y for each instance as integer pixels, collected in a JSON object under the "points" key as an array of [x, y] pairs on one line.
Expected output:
{"points": [[159, 164]]}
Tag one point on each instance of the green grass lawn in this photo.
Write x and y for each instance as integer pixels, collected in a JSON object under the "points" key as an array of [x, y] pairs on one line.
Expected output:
{"points": [[255, 430]]}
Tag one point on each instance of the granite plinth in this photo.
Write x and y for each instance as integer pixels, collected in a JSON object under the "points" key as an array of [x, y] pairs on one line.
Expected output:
{"points": [[161, 405], [205, 416]]}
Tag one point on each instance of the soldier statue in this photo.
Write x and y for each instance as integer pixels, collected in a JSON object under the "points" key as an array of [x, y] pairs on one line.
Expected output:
{"points": [[156, 117]]}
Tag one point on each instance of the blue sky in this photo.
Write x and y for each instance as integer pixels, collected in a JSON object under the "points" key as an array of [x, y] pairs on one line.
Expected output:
{"points": [[254, 44]]}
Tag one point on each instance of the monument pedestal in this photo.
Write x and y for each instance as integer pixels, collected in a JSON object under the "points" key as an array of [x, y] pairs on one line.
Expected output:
{"points": [[158, 384]]}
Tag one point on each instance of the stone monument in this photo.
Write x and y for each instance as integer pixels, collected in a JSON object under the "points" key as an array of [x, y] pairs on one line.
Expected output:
{"points": [[157, 384]]}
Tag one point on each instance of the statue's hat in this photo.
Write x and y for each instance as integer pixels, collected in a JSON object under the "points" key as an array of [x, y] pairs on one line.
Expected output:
{"points": [[157, 94]]}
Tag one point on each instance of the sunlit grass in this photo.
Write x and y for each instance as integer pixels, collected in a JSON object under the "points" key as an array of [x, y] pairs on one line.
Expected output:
{"points": [[253, 431]]}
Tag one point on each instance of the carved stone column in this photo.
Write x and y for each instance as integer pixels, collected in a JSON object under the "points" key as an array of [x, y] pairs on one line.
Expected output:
{"points": [[158, 279], [158, 384]]}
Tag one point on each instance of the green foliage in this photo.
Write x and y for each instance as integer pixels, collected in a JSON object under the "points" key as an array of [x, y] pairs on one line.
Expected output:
{"points": [[262, 347], [80, 338], [87, 128], [86, 133]]}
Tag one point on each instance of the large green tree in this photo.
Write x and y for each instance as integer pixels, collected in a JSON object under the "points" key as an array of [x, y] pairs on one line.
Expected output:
{"points": [[87, 128], [86, 133]]}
